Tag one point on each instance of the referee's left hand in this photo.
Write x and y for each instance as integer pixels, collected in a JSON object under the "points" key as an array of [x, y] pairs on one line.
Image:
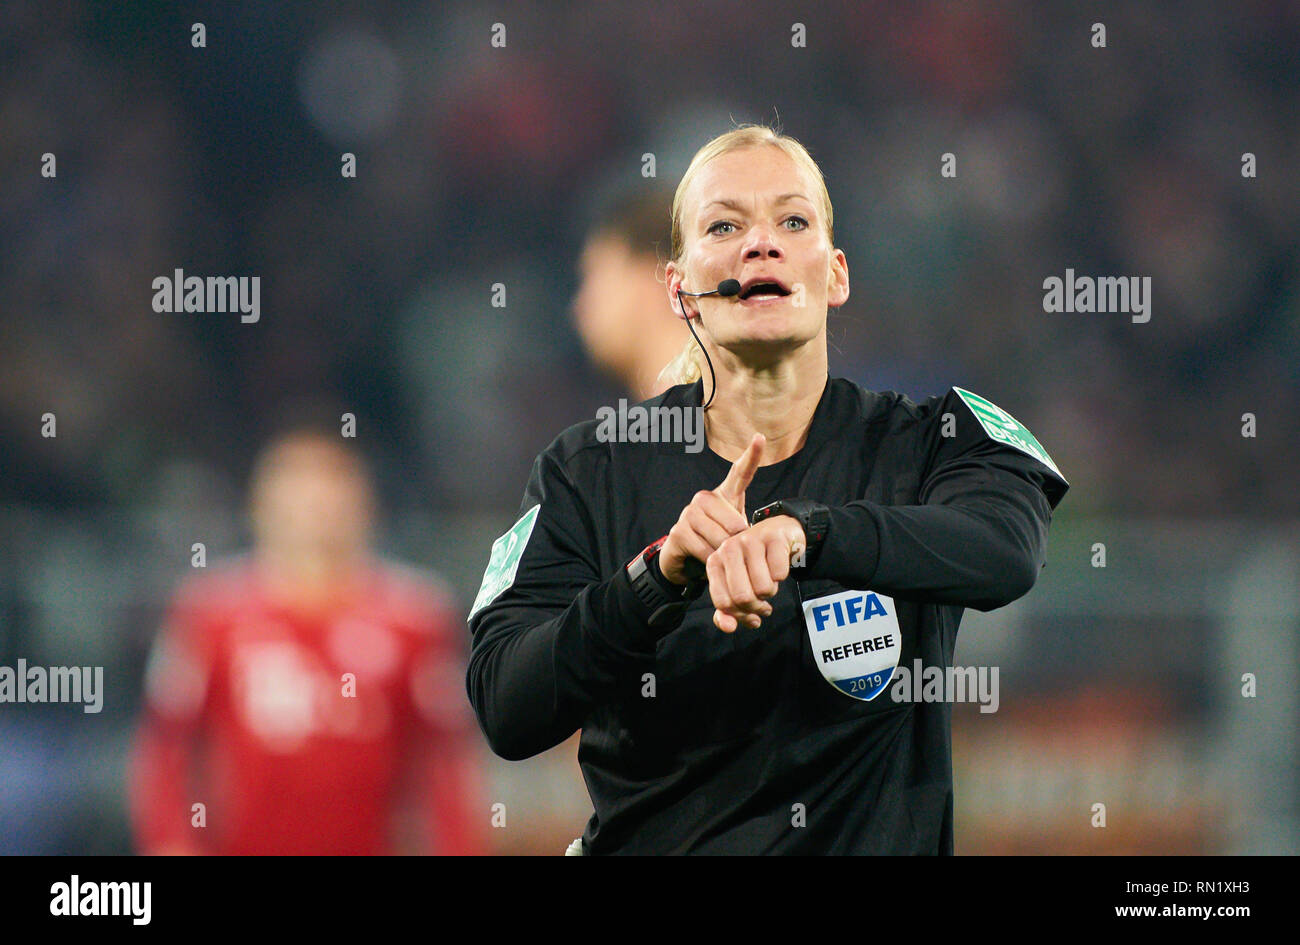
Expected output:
{"points": [[747, 569]]}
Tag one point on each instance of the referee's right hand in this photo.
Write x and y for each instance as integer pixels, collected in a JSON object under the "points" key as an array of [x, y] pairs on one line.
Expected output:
{"points": [[713, 516]]}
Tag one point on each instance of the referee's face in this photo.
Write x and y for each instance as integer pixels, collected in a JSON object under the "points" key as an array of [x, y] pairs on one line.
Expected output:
{"points": [[755, 215]]}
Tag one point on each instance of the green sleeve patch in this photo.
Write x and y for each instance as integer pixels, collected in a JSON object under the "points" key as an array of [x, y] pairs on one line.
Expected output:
{"points": [[504, 563], [1001, 426]]}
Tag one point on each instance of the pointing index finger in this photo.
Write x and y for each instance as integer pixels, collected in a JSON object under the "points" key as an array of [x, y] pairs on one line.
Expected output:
{"points": [[742, 471]]}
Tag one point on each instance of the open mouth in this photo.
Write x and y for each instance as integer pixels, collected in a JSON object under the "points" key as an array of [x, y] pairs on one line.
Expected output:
{"points": [[759, 291]]}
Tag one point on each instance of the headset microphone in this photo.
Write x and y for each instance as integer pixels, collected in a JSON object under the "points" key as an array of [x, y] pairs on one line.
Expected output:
{"points": [[726, 289]]}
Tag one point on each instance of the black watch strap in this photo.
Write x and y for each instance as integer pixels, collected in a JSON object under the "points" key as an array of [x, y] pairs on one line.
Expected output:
{"points": [[813, 517], [667, 601]]}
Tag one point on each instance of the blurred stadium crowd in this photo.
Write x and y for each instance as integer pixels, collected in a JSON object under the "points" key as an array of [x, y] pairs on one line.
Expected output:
{"points": [[479, 166]]}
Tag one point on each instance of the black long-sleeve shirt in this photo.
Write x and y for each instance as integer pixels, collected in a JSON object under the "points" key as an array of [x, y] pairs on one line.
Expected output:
{"points": [[698, 741]]}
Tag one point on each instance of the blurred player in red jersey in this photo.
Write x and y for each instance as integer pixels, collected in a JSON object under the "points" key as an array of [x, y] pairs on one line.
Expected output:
{"points": [[310, 696]]}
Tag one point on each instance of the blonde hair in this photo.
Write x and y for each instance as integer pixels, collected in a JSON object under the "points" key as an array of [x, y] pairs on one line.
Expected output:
{"points": [[685, 368]]}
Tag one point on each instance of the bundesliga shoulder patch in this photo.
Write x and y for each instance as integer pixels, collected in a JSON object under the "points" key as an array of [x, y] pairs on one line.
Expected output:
{"points": [[504, 563], [1001, 426], [855, 640]]}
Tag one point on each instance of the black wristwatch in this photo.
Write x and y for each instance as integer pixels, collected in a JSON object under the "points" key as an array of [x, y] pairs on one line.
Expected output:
{"points": [[668, 601], [814, 517]]}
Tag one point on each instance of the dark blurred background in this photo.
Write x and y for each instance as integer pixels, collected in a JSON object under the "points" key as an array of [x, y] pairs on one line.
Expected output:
{"points": [[479, 166]]}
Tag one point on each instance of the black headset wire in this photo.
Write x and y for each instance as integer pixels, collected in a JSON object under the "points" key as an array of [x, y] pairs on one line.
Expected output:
{"points": [[712, 375]]}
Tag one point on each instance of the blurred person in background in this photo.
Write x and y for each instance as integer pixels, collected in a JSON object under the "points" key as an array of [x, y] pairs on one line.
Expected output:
{"points": [[308, 695], [626, 324]]}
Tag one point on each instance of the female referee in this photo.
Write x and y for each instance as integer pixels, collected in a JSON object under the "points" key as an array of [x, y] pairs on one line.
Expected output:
{"points": [[733, 629]]}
